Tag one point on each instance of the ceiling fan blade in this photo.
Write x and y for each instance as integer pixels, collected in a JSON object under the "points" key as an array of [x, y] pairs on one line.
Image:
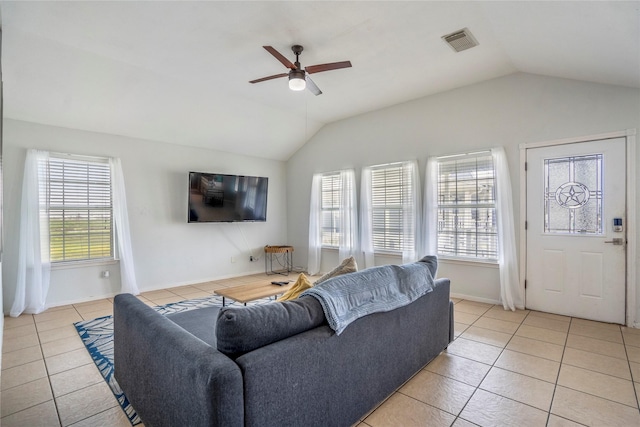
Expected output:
{"points": [[280, 57], [269, 78], [327, 67], [313, 88]]}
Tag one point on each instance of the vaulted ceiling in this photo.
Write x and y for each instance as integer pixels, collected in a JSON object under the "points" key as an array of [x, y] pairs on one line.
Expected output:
{"points": [[178, 72]]}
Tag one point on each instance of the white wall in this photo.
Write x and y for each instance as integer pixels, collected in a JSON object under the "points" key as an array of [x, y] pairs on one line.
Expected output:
{"points": [[1, 317], [507, 111], [167, 250]]}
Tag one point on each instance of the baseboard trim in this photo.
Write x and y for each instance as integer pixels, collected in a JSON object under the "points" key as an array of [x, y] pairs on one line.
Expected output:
{"points": [[476, 299]]}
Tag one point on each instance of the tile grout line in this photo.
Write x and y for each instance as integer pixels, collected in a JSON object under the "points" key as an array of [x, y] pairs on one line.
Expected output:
{"points": [[49, 375], [563, 363], [48, 378], [591, 370], [480, 382], [508, 370], [485, 375], [555, 384], [549, 413], [635, 390], [46, 367]]}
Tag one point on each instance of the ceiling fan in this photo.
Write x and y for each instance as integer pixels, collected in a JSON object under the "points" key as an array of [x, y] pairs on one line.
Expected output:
{"points": [[299, 78]]}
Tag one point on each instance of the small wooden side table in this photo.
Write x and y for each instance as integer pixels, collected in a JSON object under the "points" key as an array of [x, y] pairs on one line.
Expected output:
{"points": [[283, 256]]}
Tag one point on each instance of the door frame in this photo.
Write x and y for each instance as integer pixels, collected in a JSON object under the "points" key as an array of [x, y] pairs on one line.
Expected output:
{"points": [[630, 285]]}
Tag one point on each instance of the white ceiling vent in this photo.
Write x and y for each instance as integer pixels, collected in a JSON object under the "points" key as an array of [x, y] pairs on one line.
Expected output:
{"points": [[460, 40]]}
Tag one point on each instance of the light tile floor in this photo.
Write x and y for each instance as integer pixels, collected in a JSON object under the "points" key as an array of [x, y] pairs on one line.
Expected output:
{"points": [[522, 368], [504, 368]]}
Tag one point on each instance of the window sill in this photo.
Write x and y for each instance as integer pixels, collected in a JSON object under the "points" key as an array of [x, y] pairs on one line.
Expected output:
{"points": [[63, 265], [375, 253], [388, 253], [443, 259], [469, 262]]}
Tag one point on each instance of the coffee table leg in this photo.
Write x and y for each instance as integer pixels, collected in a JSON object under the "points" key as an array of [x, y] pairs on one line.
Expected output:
{"points": [[223, 301]]}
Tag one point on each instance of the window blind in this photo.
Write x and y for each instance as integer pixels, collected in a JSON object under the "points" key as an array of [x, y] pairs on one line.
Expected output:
{"points": [[392, 210], [467, 207], [79, 209], [331, 199]]}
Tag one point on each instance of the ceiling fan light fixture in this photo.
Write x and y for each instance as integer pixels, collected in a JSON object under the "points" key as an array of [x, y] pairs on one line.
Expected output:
{"points": [[296, 80], [299, 78]]}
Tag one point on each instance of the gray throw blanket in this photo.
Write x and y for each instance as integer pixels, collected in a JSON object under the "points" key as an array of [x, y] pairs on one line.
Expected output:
{"points": [[351, 296]]}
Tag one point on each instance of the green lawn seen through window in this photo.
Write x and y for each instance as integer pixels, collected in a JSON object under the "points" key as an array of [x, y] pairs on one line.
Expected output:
{"points": [[80, 239]]}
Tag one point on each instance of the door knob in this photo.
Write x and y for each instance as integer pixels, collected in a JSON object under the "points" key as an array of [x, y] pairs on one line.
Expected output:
{"points": [[617, 241]]}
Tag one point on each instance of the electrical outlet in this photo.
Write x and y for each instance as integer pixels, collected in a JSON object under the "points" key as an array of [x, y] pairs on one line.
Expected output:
{"points": [[233, 259], [106, 274]]}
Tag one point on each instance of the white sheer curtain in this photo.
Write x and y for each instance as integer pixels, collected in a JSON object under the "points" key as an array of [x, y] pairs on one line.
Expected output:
{"points": [[121, 226], [34, 264], [366, 232], [411, 214], [315, 228], [430, 211], [348, 215], [347, 244], [509, 286]]}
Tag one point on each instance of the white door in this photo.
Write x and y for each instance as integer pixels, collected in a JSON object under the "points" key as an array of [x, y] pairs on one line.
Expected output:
{"points": [[575, 264]]}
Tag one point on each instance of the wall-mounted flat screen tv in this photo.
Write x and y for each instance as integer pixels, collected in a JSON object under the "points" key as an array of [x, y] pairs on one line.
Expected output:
{"points": [[215, 197]]}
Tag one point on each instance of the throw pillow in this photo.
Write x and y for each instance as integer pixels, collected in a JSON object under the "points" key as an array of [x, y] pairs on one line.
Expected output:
{"points": [[243, 329], [301, 285], [348, 265]]}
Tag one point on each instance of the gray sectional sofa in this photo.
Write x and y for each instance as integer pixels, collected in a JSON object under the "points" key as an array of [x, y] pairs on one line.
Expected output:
{"points": [[276, 364]]}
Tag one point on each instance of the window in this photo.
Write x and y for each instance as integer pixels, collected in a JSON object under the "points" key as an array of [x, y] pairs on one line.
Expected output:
{"points": [[393, 207], [79, 208], [467, 207], [332, 216], [573, 195], [330, 201]]}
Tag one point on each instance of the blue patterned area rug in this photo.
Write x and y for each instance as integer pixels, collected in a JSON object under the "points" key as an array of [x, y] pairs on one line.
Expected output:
{"points": [[97, 336]]}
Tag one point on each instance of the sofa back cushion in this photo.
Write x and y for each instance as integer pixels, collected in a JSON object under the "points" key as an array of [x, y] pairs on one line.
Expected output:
{"points": [[242, 329]]}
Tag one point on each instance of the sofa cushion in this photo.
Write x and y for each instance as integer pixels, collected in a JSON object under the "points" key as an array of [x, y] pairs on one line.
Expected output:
{"points": [[200, 322], [242, 329], [348, 265], [301, 285]]}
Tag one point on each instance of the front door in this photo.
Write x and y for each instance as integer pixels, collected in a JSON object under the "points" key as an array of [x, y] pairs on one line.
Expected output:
{"points": [[575, 255]]}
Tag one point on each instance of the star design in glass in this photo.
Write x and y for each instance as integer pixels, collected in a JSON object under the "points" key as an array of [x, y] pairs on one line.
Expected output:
{"points": [[572, 195]]}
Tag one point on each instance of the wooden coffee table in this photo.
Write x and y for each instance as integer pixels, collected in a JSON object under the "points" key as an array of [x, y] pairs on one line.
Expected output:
{"points": [[252, 291]]}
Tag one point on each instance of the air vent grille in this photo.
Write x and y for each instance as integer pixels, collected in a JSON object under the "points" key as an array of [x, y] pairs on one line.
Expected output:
{"points": [[460, 40]]}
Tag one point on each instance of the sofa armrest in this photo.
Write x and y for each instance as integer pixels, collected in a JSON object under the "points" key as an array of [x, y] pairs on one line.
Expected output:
{"points": [[171, 377]]}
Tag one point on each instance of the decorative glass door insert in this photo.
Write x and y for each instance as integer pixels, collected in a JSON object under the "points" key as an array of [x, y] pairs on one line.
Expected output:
{"points": [[573, 195]]}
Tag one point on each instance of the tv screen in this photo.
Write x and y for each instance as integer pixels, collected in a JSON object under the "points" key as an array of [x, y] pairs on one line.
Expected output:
{"points": [[215, 197]]}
